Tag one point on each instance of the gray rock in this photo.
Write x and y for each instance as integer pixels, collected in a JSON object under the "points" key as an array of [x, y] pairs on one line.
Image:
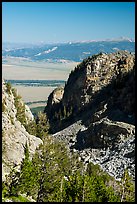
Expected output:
{"points": [[112, 160], [14, 135]]}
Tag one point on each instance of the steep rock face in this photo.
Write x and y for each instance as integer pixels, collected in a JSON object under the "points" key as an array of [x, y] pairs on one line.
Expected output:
{"points": [[55, 97], [54, 101], [94, 74], [14, 135], [103, 79], [101, 92]]}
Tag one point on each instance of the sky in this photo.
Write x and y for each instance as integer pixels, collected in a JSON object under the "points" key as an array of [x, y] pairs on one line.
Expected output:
{"points": [[56, 22]]}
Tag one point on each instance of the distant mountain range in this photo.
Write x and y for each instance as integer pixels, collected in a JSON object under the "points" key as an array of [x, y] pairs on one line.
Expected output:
{"points": [[72, 51]]}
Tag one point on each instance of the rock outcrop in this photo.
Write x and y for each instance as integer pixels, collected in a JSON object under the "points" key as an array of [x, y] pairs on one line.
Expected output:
{"points": [[54, 99], [110, 144], [98, 78], [101, 124], [14, 134], [93, 75]]}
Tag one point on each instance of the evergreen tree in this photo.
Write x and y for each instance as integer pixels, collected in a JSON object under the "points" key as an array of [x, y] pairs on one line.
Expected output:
{"points": [[64, 111], [55, 176], [127, 188], [42, 125], [27, 177]]}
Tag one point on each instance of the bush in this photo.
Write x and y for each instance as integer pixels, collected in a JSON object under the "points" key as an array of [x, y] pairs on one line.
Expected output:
{"points": [[8, 86], [5, 191], [85, 188], [53, 176], [3, 107], [127, 188], [42, 125], [20, 106], [31, 128]]}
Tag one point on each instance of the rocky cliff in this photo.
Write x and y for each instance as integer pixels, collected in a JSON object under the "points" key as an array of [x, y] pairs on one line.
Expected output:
{"points": [[95, 74], [97, 112], [14, 134]]}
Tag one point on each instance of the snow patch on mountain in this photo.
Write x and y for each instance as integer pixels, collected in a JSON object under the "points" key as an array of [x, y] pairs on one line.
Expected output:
{"points": [[50, 50], [38, 54], [47, 51]]}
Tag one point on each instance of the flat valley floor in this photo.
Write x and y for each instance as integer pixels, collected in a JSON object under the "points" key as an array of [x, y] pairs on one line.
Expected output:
{"points": [[23, 69]]}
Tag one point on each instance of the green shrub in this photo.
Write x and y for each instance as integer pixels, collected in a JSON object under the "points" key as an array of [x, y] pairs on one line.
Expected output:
{"points": [[85, 188], [20, 106], [14, 91], [5, 191], [53, 176], [8, 86], [3, 106], [31, 127], [127, 188], [12, 120], [42, 125]]}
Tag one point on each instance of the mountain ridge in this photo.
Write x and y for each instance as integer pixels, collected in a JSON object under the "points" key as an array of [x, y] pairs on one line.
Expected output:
{"points": [[92, 126], [72, 51], [95, 111]]}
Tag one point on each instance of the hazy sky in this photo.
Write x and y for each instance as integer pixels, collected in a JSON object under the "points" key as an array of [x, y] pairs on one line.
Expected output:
{"points": [[33, 22]]}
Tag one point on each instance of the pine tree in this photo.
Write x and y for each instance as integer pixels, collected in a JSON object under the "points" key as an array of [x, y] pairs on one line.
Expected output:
{"points": [[42, 125], [64, 111], [26, 180], [127, 188]]}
